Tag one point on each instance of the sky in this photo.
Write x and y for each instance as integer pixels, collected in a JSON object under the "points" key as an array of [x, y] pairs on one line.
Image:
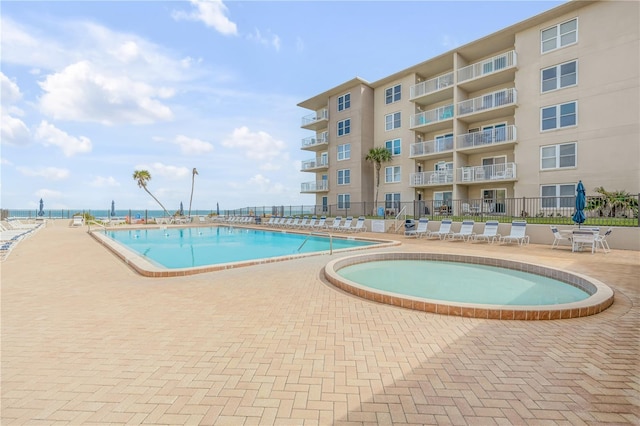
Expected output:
{"points": [[92, 91]]}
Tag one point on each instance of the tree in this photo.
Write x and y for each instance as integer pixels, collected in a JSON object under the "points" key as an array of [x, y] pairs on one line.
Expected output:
{"points": [[377, 156], [142, 177], [193, 180], [613, 203]]}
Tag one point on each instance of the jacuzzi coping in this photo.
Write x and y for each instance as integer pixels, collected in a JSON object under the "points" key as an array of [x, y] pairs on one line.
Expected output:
{"points": [[147, 268], [601, 295]]}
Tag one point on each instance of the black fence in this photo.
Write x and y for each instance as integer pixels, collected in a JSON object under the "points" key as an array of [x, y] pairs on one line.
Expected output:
{"points": [[553, 210]]}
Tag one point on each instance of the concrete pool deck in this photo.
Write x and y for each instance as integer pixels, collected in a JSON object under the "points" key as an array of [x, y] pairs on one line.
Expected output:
{"points": [[86, 340]]}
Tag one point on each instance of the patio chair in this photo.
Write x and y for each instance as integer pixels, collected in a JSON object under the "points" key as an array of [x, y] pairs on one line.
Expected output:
{"points": [[466, 231], [321, 223], [601, 240], [312, 222], [336, 223], [518, 233], [443, 232], [581, 238], [558, 237], [420, 230], [490, 233], [359, 226], [303, 223], [78, 221], [348, 222]]}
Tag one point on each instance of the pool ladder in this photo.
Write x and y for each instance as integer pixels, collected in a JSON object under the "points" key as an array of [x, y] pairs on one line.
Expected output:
{"points": [[319, 233]]}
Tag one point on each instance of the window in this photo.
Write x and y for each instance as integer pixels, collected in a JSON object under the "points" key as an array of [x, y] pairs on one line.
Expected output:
{"points": [[494, 133], [344, 177], [393, 146], [325, 204], [392, 121], [442, 198], [556, 196], [392, 201], [392, 174], [392, 94], [559, 36], [344, 201], [559, 76], [444, 142], [344, 127], [344, 102], [558, 116], [558, 156], [344, 152]]}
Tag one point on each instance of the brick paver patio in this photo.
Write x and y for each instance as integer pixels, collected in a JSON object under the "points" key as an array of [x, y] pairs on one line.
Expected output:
{"points": [[85, 340]]}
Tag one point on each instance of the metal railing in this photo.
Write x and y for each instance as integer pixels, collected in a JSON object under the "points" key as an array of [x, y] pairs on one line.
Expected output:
{"points": [[488, 66], [319, 115], [487, 101], [431, 116], [429, 86], [431, 147], [493, 136]]}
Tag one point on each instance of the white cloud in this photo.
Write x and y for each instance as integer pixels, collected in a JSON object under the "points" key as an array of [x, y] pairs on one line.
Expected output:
{"points": [[192, 146], [105, 182], [264, 185], [164, 170], [256, 145], [9, 89], [14, 131], [70, 145], [212, 13], [48, 194], [49, 173], [269, 40], [81, 92]]}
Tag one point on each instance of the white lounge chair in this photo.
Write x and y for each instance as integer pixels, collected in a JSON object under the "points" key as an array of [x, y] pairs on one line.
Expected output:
{"points": [[348, 222], [321, 223], [312, 223], [336, 223], [420, 230], [558, 237], [601, 240], [517, 235], [77, 221], [443, 232], [303, 223], [466, 231], [359, 226], [490, 233]]}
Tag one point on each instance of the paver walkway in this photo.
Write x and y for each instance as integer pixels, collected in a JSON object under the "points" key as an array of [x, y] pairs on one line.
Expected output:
{"points": [[85, 340]]}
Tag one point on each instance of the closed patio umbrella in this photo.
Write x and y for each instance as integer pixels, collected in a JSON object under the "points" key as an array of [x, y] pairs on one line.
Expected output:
{"points": [[113, 208], [581, 200], [181, 209], [41, 211]]}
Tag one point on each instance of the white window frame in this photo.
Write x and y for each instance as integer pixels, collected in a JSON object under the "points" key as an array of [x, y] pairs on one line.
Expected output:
{"points": [[393, 145], [558, 200], [558, 37], [558, 116], [344, 176], [558, 77], [392, 121], [344, 201], [557, 157], [396, 174], [344, 102], [343, 127], [393, 94], [392, 201], [344, 152]]}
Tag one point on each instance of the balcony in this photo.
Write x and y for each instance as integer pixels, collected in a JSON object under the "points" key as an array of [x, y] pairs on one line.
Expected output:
{"points": [[435, 119], [490, 72], [490, 173], [316, 143], [487, 140], [316, 121], [432, 91], [435, 148], [315, 165], [437, 178], [315, 186], [488, 106]]}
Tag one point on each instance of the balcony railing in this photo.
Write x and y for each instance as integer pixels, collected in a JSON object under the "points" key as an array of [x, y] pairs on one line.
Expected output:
{"points": [[319, 115], [432, 116], [440, 177], [430, 86], [487, 137], [488, 66], [488, 101], [316, 186], [494, 172], [314, 141], [431, 147], [315, 163]]}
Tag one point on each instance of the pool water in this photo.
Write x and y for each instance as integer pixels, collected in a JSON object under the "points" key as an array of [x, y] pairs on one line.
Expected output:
{"points": [[192, 247], [461, 282]]}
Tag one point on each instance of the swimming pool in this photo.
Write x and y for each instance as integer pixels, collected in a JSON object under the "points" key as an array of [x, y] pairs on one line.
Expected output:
{"points": [[459, 285], [171, 251]]}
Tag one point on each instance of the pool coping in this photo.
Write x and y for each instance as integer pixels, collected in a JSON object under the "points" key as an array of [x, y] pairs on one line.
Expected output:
{"points": [[146, 268], [601, 298]]}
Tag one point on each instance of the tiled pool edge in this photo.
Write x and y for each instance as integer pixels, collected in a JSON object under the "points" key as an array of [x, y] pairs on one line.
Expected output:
{"points": [[148, 269], [601, 295]]}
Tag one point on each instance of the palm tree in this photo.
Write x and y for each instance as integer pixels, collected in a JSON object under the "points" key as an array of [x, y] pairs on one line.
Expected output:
{"points": [[142, 177], [613, 203], [377, 156], [193, 179]]}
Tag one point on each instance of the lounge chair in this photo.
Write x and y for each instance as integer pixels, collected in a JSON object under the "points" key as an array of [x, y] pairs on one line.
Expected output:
{"points": [[582, 238], [490, 233], [294, 223], [321, 223], [420, 230], [359, 226], [466, 231], [77, 221], [312, 223], [348, 222], [601, 240], [336, 223], [558, 237], [518, 233], [443, 232], [303, 223], [270, 221]]}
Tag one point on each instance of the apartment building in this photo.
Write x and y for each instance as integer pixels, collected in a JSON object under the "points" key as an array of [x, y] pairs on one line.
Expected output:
{"points": [[525, 112]]}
